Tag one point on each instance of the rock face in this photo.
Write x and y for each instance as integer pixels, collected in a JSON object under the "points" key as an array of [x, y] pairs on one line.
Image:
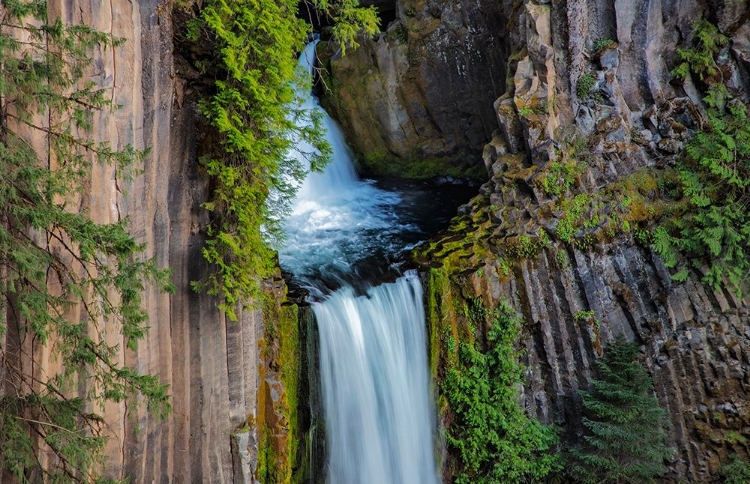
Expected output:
{"points": [[591, 116], [212, 365], [422, 92]]}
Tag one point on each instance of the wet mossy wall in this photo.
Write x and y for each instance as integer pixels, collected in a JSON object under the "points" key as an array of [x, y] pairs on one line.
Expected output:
{"points": [[278, 396]]}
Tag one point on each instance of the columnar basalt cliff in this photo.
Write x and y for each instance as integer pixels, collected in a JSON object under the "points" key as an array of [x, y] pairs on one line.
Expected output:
{"points": [[577, 113], [591, 117], [223, 388]]}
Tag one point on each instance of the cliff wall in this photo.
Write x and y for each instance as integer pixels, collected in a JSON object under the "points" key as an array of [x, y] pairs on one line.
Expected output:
{"points": [[212, 365], [417, 99], [581, 271]]}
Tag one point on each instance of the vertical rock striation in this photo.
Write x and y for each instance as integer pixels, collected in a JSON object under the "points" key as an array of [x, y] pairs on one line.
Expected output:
{"points": [[212, 365], [419, 97], [590, 92]]}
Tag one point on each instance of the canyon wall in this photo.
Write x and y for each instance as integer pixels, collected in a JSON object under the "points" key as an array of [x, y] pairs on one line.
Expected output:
{"points": [[561, 229], [223, 389], [424, 90], [417, 100]]}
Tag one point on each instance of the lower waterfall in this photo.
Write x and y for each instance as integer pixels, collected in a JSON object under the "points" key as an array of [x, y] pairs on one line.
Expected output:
{"points": [[379, 417], [374, 373]]}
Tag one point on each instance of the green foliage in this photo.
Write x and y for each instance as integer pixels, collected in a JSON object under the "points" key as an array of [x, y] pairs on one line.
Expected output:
{"points": [[525, 247], [573, 209], [63, 277], [560, 176], [494, 439], [585, 84], [259, 119], [583, 315], [714, 176], [735, 472], [350, 20], [700, 59], [603, 44], [625, 434]]}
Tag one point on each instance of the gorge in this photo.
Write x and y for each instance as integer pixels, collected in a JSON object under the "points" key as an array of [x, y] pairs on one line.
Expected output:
{"points": [[373, 363], [576, 115]]}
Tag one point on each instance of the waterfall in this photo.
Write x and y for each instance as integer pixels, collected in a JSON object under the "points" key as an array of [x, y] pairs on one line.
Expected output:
{"points": [[337, 219], [375, 385], [373, 362], [340, 171]]}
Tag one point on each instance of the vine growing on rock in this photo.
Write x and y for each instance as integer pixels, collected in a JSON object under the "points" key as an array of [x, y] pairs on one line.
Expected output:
{"points": [[69, 286], [493, 437], [714, 174], [259, 122]]}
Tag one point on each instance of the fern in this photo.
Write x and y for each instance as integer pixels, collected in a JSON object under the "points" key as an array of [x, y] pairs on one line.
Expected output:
{"points": [[700, 59], [714, 235]]}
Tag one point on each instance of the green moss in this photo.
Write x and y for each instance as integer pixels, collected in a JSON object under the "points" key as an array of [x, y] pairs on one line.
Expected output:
{"points": [[282, 353], [267, 458], [438, 295], [602, 44], [462, 247], [289, 358]]}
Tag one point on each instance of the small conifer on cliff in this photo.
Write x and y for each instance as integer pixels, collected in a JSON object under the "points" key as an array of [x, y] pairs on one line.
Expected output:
{"points": [[624, 441]]}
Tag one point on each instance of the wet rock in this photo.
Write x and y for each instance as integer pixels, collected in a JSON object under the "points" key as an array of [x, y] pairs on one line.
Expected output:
{"points": [[424, 89], [610, 58]]}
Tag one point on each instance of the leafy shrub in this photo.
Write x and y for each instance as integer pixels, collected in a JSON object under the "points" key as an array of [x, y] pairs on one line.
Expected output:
{"points": [[570, 221], [586, 83], [560, 176], [494, 439], [259, 119]]}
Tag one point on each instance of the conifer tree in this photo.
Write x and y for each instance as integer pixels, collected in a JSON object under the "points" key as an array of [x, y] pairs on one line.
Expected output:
{"points": [[625, 434], [66, 281]]}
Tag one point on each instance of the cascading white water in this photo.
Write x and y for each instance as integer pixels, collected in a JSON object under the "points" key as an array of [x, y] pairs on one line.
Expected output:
{"points": [[337, 219], [340, 172], [373, 362], [375, 385]]}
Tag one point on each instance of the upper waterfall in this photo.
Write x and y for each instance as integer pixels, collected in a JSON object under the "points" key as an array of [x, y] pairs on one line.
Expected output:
{"points": [[340, 171], [337, 219]]}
